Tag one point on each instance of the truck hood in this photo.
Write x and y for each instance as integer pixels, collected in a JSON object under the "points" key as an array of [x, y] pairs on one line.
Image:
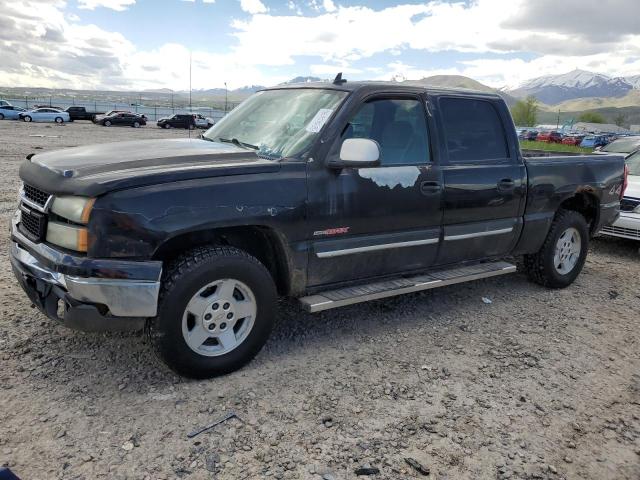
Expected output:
{"points": [[95, 169]]}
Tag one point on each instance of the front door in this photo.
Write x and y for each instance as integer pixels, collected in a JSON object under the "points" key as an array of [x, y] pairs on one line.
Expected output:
{"points": [[379, 221], [484, 179]]}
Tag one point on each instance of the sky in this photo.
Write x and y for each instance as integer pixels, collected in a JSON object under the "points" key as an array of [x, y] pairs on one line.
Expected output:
{"points": [[146, 44]]}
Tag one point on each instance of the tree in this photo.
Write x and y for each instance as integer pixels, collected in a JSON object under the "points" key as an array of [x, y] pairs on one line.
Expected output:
{"points": [[525, 112], [591, 117], [620, 120]]}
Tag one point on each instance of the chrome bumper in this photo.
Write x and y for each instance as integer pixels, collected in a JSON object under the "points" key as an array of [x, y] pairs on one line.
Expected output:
{"points": [[117, 289]]}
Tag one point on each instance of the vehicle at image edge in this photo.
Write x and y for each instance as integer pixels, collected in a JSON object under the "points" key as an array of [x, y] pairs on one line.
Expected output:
{"points": [[628, 225], [122, 119], [594, 141], [46, 114], [549, 137], [81, 113], [178, 120], [202, 121], [621, 146], [4, 103], [330, 193], [10, 112]]}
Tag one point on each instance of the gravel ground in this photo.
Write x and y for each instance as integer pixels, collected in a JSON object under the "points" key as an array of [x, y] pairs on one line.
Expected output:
{"points": [[536, 384]]}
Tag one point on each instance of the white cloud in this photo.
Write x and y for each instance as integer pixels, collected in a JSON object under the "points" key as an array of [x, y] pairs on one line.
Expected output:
{"points": [[118, 5], [253, 6], [329, 6]]}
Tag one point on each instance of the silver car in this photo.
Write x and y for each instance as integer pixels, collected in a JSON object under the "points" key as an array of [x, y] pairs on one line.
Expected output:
{"points": [[9, 112], [45, 115]]}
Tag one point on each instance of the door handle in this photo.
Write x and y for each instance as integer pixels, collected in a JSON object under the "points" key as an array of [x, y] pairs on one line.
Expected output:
{"points": [[430, 188], [506, 184]]}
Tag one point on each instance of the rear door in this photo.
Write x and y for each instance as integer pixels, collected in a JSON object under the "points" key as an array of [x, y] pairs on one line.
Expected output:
{"points": [[369, 222], [484, 178]]}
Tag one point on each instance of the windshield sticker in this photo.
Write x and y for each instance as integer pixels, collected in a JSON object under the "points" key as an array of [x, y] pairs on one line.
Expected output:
{"points": [[317, 122]]}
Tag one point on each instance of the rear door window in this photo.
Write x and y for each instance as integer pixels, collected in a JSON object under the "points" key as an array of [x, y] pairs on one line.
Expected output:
{"points": [[473, 130]]}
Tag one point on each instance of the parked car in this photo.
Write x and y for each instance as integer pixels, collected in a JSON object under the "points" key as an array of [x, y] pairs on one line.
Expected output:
{"points": [[531, 135], [574, 140], [4, 103], [122, 119], [98, 117], [44, 115], [198, 237], [81, 113], [10, 112], [203, 122], [621, 146], [628, 225], [594, 141], [549, 137], [179, 120]]}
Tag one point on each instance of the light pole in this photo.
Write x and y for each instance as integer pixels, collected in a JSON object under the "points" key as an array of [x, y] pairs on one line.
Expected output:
{"points": [[226, 97]]}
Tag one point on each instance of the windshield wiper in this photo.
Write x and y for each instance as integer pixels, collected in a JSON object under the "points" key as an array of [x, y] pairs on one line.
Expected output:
{"points": [[238, 143]]}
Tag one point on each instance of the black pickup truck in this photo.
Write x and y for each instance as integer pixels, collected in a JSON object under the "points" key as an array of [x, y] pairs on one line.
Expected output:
{"points": [[81, 113], [330, 193]]}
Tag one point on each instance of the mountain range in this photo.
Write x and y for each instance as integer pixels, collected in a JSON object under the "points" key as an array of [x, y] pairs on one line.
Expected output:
{"points": [[577, 84]]}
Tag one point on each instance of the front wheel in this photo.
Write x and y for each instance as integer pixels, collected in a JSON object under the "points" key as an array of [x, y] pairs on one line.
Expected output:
{"points": [[563, 253], [26, 118], [1, 116], [216, 311], [167, 126], [136, 124], [107, 123]]}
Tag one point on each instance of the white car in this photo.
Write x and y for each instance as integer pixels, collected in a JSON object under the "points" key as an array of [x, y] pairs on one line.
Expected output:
{"points": [[45, 115], [203, 122], [628, 225]]}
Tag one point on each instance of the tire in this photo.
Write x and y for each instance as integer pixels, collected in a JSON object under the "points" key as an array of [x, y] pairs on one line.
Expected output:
{"points": [[26, 118], [106, 123], [191, 283], [191, 127], [136, 125], [560, 259], [167, 126], [59, 120], [1, 116]]}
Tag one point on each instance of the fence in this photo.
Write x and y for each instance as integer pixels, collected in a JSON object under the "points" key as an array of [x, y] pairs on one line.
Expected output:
{"points": [[152, 112]]}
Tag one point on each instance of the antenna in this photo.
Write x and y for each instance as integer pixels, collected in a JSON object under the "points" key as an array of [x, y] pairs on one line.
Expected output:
{"points": [[339, 80]]}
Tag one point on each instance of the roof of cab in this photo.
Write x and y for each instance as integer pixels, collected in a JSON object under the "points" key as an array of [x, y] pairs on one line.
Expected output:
{"points": [[407, 86]]}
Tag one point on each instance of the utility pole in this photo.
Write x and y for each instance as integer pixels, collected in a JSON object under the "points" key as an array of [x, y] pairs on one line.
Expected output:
{"points": [[226, 97], [190, 109], [558, 122]]}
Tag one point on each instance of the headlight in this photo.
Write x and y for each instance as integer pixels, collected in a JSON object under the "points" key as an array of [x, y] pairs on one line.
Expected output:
{"points": [[67, 236], [76, 209]]}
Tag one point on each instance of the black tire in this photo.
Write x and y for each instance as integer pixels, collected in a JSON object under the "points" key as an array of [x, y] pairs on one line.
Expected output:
{"points": [[166, 125], [540, 266], [59, 120], [106, 123], [1, 116], [26, 118], [181, 280], [136, 124]]}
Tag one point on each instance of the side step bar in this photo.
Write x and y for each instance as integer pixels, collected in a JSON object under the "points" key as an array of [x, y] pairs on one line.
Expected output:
{"points": [[398, 286]]}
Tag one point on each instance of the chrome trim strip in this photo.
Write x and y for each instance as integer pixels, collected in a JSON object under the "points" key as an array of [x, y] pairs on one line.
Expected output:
{"points": [[373, 248], [35, 206], [479, 234]]}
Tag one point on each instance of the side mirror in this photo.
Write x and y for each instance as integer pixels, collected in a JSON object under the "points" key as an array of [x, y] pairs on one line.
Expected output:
{"points": [[358, 153]]}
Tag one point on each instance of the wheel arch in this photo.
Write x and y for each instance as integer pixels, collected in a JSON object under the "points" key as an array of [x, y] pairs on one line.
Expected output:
{"points": [[585, 203], [264, 243]]}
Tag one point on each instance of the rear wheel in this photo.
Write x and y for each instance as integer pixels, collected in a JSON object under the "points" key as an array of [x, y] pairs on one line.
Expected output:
{"points": [[1, 116], [216, 310], [59, 120], [563, 253]]}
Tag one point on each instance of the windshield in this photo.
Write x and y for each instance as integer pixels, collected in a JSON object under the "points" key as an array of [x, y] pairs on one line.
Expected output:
{"points": [[280, 123], [623, 145], [633, 162]]}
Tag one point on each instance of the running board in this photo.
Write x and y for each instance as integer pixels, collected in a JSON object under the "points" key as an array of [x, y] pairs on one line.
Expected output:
{"points": [[398, 286]]}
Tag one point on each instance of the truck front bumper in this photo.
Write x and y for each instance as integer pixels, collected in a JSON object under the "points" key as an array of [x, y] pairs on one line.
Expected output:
{"points": [[626, 226], [83, 293]]}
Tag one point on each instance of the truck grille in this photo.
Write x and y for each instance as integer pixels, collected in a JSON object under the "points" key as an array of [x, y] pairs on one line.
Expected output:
{"points": [[35, 195], [33, 224], [628, 204], [619, 231]]}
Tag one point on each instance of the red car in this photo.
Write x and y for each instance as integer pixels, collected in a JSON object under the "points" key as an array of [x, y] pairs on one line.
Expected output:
{"points": [[574, 140], [549, 137]]}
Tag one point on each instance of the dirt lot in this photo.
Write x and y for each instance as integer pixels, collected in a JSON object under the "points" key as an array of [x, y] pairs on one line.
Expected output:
{"points": [[536, 384]]}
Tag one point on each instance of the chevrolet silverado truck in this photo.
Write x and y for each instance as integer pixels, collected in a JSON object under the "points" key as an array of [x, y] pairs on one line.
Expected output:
{"points": [[331, 193]]}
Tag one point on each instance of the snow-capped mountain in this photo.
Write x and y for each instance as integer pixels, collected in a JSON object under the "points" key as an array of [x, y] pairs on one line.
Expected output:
{"points": [[634, 81], [552, 89]]}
